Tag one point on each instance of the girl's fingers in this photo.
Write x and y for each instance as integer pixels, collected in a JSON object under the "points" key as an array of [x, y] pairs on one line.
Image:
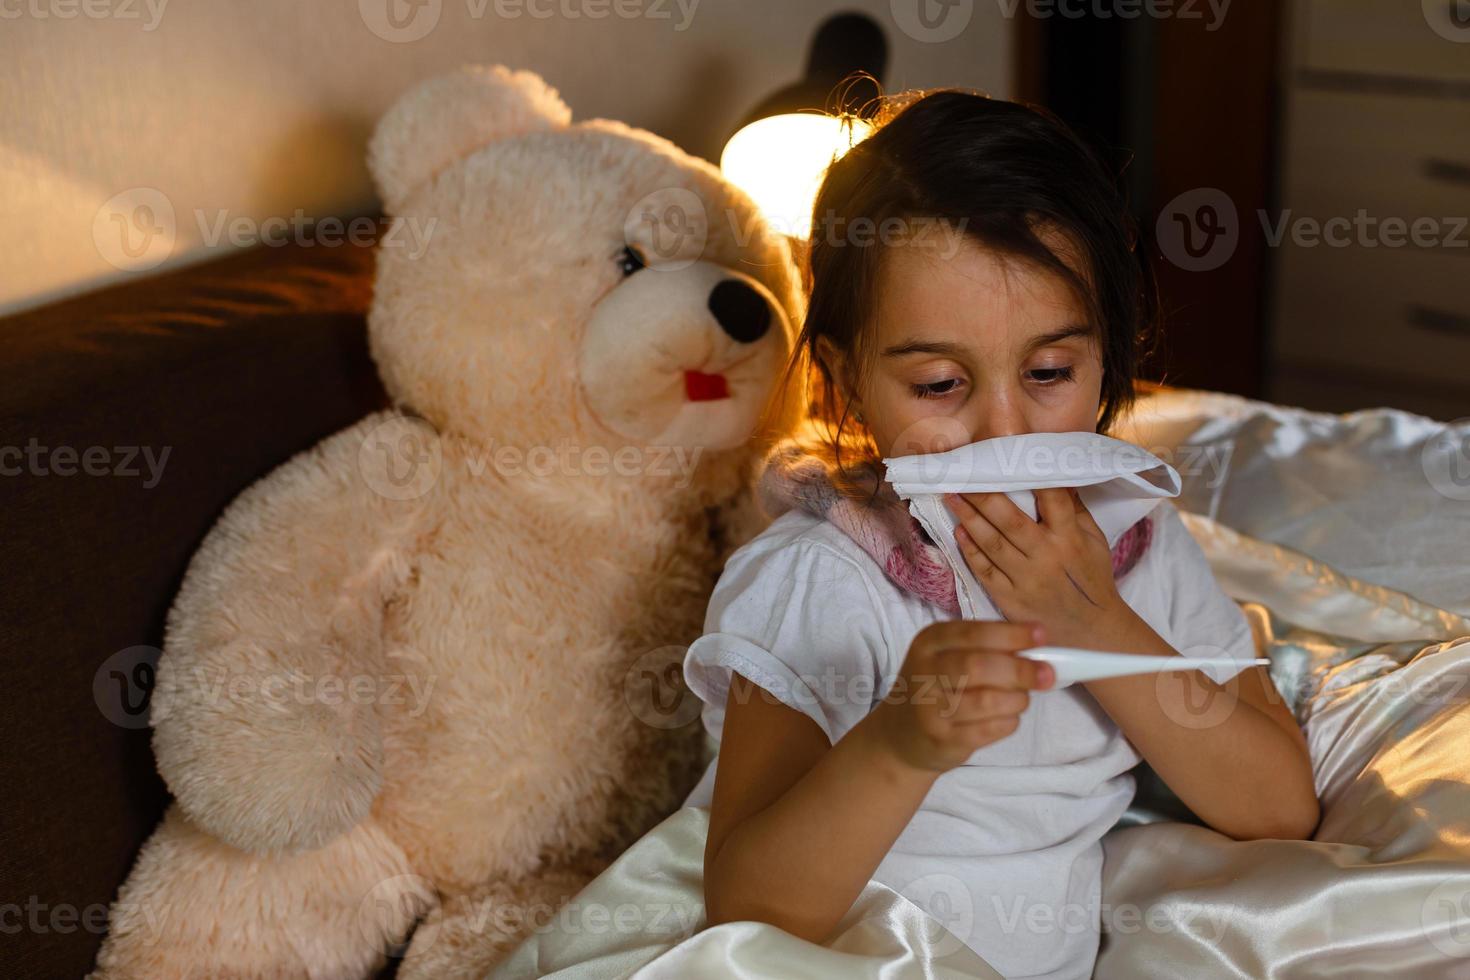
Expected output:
{"points": [[986, 543], [1012, 523], [980, 564], [1084, 518], [1057, 506], [981, 634], [977, 704], [987, 730], [995, 669]]}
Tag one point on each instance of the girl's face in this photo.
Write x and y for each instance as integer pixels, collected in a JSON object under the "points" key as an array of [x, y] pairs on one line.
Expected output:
{"points": [[972, 346]]}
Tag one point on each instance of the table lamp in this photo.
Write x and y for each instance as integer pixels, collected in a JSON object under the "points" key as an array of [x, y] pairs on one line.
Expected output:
{"points": [[782, 148]]}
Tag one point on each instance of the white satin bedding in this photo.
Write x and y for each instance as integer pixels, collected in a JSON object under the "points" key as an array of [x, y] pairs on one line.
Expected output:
{"points": [[1347, 541]]}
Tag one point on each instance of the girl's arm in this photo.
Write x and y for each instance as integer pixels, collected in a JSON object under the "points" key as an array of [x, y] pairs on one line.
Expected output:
{"points": [[798, 826], [783, 846], [1234, 754]]}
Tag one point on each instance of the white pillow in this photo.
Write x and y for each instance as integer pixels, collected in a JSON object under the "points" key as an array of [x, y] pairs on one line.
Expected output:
{"points": [[1380, 494]]}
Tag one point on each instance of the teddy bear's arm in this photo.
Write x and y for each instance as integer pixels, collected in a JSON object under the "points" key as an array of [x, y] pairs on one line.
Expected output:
{"points": [[265, 725]]}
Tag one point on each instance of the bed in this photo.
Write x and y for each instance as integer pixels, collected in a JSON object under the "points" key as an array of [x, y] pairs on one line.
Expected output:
{"points": [[1345, 539]]}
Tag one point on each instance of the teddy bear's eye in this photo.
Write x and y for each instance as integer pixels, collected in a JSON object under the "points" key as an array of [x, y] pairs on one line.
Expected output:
{"points": [[630, 260]]}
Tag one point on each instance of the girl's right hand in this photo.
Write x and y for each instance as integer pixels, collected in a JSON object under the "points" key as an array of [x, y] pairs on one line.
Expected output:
{"points": [[961, 687]]}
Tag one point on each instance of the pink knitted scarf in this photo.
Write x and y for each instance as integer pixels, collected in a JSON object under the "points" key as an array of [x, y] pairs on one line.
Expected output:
{"points": [[882, 525]]}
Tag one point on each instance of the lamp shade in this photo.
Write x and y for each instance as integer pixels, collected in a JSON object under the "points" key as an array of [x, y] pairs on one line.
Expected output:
{"points": [[780, 160], [784, 146]]}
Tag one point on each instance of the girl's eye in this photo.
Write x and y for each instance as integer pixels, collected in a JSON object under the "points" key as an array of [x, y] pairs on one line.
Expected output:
{"points": [[630, 260], [1052, 376], [936, 389]]}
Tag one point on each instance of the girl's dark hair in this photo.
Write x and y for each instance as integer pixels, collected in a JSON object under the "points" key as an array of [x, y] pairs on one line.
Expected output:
{"points": [[1002, 173]]}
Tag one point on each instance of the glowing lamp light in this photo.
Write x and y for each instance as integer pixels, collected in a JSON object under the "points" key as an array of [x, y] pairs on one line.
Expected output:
{"points": [[780, 160], [783, 147]]}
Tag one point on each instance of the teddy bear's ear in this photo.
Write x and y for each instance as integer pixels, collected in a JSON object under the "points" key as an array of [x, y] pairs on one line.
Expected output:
{"points": [[446, 118]]}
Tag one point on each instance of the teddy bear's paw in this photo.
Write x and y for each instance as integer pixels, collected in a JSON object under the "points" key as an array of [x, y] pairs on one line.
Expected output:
{"points": [[274, 781], [195, 907], [470, 934]]}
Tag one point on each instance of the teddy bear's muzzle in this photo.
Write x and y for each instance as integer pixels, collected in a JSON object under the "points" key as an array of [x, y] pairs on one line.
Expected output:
{"points": [[683, 355]]}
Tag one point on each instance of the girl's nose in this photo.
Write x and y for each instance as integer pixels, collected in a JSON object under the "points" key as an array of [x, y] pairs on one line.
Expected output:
{"points": [[1001, 416]]}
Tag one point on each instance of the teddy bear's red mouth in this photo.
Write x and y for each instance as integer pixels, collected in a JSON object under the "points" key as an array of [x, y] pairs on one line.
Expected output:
{"points": [[701, 387]]}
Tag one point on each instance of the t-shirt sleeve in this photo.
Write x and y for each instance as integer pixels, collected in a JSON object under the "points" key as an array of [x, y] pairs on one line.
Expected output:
{"points": [[802, 621], [1202, 620]]}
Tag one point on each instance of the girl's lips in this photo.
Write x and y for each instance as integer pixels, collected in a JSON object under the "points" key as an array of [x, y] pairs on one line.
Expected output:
{"points": [[701, 387]]}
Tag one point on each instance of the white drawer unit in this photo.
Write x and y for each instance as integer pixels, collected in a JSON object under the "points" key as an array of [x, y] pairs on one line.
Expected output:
{"points": [[1401, 311], [1392, 156], [1370, 266], [1427, 39]]}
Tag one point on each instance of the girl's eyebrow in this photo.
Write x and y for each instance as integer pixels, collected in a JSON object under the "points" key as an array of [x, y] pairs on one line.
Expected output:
{"points": [[1056, 336], [952, 349], [924, 347]]}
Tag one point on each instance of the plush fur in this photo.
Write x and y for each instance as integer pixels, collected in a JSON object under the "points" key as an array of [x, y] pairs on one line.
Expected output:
{"points": [[424, 669]]}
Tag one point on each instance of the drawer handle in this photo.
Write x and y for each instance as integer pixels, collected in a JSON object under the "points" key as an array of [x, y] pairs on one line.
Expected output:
{"points": [[1439, 321], [1449, 171]]}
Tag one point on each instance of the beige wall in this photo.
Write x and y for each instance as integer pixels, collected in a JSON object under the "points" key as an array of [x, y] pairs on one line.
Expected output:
{"points": [[236, 110]]}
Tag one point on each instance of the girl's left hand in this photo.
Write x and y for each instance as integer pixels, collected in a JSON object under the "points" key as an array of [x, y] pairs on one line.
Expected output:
{"points": [[1057, 570]]}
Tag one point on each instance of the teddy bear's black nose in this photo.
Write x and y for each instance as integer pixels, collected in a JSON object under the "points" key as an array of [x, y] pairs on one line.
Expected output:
{"points": [[742, 312]]}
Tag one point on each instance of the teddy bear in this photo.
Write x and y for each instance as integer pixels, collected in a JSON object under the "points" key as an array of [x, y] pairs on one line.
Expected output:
{"points": [[425, 676]]}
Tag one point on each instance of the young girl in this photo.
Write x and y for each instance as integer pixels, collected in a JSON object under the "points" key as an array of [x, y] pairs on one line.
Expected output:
{"points": [[972, 271]]}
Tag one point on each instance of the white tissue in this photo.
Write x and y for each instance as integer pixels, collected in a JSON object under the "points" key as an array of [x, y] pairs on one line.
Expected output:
{"points": [[1117, 481]]}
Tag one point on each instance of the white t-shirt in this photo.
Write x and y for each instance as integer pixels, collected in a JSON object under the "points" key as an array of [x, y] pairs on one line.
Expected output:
{"points": [[1006, 849]]}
